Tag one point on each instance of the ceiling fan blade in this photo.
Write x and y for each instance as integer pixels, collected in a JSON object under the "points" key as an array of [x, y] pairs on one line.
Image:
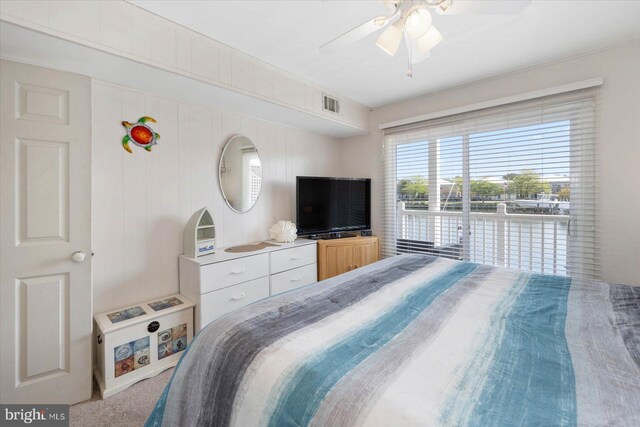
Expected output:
{"points": [[358, 33], [476, 7]]}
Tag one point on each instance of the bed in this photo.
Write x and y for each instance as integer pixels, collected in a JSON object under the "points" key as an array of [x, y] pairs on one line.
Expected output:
{"points": [[417, 340]]}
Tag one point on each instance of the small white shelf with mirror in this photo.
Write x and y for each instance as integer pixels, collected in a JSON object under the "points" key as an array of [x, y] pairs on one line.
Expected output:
{"points": [[200, 234]]}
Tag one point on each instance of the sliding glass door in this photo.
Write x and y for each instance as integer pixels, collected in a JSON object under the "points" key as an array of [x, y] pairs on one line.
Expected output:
{"points": [[513, 186]]}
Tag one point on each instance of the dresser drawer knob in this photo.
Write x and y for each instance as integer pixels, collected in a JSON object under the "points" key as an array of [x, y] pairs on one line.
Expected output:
{"points": [[295, 258], [238, 297], [240, 271], [296, 279]]}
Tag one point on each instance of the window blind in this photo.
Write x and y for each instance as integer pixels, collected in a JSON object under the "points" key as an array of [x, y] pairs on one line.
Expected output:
{"points": [[514, 185]]}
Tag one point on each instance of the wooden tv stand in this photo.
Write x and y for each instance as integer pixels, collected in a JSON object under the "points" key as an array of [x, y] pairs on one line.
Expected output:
{"points": [[337, 256]]}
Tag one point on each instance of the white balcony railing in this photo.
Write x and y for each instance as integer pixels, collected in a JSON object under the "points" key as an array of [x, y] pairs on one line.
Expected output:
{"points": [[529, 242]]}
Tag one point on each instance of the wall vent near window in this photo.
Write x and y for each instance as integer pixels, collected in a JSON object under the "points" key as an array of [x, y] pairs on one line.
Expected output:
{"points": [[330, 104]]}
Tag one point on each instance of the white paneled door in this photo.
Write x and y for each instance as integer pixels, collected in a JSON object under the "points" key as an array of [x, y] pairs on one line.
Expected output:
{"points": [[45, 229]]}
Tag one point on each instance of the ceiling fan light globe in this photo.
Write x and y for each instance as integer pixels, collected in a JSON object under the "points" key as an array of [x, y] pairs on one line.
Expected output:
{"points": [[389, 40], [418, 23], [428, 41]]}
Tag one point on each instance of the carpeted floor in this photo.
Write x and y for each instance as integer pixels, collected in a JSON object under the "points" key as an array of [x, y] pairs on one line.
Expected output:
{"points": [[130, 407]]}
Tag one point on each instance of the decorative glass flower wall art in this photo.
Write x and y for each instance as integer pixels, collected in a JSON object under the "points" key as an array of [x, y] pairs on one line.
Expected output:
{"points": [[140, 133]]}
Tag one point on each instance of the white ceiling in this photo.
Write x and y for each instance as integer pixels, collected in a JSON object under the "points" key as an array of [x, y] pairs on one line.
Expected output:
{"points": [[287, 34]]}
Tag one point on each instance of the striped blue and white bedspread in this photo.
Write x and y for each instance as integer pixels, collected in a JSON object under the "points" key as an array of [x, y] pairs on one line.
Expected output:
{"points": [[418, 341]]}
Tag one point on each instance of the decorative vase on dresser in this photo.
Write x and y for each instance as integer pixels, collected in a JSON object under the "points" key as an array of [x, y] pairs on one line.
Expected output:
{"points": [[232, 278]]}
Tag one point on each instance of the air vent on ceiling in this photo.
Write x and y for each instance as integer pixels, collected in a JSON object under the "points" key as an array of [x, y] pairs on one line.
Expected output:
{"points": [[330, 104]]}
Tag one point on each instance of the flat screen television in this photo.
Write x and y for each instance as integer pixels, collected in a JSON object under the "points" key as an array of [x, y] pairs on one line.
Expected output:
{"points": [[329, 205]]}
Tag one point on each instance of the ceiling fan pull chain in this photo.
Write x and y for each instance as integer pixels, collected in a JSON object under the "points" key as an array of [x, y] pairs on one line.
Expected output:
{"points": [[409, 50]]}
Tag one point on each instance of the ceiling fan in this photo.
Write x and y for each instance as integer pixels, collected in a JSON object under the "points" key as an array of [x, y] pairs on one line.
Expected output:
{"points": [[412, 19]]}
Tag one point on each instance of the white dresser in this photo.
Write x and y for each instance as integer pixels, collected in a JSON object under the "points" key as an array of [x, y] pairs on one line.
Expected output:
{"points": [[225, 281]]}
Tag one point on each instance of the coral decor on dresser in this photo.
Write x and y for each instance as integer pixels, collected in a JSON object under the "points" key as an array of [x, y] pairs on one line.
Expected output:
{"points": [[140, 134], [283, 231]]}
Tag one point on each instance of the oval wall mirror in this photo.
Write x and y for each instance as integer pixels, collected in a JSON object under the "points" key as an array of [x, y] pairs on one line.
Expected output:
{"points": [[240, 173]]}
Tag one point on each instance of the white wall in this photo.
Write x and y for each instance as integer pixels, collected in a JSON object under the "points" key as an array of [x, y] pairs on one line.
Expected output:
{"points": [[142, 201], [619, 147]]}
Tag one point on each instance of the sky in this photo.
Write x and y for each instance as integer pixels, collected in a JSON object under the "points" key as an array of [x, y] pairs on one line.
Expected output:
{"points": [[541, 147]]}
